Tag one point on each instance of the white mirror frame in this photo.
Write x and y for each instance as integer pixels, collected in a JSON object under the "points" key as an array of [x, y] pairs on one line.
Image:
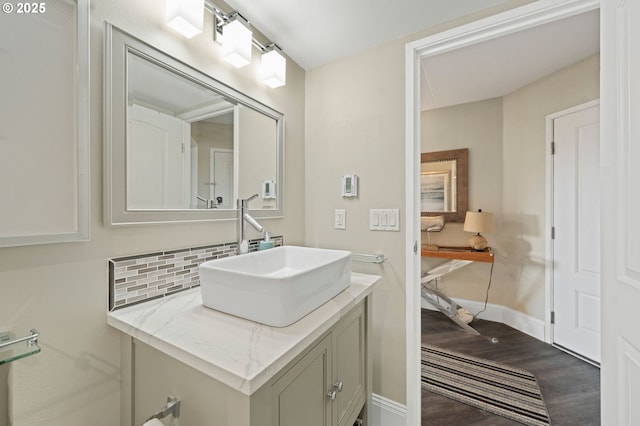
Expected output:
{"points": [[117, 44], [82, 134]]}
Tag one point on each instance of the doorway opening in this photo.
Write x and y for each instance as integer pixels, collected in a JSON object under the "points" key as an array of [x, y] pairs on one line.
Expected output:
{"points": [[509, 23]]}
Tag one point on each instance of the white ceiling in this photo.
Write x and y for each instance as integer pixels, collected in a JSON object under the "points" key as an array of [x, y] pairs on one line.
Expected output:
{"points": [[315, 32], [500, 66], [161, 90]]}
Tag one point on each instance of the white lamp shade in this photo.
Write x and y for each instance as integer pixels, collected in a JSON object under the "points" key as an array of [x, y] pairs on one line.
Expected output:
{"points": [[236, 44], [479, 222], [274, 69], [186, 16]]}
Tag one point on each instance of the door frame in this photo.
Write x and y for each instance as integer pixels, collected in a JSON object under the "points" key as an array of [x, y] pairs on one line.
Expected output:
{"points": [[212, 152], [548, 329], [509, 22]]}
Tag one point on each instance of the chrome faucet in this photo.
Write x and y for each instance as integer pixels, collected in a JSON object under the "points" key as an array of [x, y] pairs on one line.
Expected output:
{"points": [[212, 203], [243, 219], [209, 203]]}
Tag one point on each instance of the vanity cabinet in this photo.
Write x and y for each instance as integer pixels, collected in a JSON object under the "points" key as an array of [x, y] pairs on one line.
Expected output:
{"points": [[327, 384], [298, 397], [326, 387], [349, 368]]}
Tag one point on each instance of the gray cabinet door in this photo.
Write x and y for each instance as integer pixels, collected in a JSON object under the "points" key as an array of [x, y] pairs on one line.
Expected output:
{"points": [[300, 395], [349, 364]]}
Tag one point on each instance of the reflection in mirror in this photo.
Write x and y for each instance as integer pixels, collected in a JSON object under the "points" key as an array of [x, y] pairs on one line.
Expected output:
{"points": [[212, 157], [179, 141], [180, 145], [444, 184], [255, 152]]}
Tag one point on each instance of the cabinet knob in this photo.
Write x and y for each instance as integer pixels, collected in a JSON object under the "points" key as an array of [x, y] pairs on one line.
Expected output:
{"points": [[338, 386], [331, 394]]}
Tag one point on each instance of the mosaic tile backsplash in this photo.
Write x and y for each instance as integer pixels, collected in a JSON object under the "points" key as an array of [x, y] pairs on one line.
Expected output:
{"points": [[135, 279]]}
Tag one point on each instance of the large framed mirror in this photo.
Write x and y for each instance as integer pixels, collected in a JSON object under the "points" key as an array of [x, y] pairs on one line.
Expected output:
{"points": [[444, 184], [180, 145]]}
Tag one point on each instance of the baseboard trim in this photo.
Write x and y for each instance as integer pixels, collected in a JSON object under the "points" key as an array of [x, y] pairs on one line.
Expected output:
{"points": [[385, 412], [527, 324]]}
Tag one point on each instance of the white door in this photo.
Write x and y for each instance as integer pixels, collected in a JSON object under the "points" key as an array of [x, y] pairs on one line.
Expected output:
{"points": [[576, 222], [158, 163], [222, 177], [620, 180]]}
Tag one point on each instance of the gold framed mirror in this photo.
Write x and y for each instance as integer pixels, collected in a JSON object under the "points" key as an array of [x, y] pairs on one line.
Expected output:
{"points": [[444, 184]]}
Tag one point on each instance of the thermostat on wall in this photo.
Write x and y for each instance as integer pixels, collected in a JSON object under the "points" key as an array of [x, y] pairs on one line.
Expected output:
{"points": [[350, 186], [269, 189]]}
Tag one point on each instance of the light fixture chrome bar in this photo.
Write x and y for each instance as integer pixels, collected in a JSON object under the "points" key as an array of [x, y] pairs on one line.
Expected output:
{"points": [[269, 47], [224, 18], [259, 45], [212, 8]]}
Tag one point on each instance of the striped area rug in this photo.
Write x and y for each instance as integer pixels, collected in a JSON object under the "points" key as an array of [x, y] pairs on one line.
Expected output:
{"points": [[500, 389]]}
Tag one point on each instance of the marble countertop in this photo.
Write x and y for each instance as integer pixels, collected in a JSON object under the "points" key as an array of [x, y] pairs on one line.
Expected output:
{"points": [[240, 353]]}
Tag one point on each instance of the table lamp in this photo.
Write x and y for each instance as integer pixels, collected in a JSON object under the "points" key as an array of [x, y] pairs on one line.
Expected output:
{"points": [[478, 222]]}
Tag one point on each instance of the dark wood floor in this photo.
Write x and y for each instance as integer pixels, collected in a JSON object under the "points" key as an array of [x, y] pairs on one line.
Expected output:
{"points": [[569, 386]]}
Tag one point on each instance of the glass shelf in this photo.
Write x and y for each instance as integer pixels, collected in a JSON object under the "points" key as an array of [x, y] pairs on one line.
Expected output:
{"points": [[12, 349]]}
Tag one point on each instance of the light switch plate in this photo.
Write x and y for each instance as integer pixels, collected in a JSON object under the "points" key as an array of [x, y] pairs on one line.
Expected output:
{"points": [[384, 220], [341, 219]]}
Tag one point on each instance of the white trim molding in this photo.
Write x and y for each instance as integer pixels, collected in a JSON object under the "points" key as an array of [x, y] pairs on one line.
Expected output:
{"points": [[385, 412], [527, 324], [80, 228]]}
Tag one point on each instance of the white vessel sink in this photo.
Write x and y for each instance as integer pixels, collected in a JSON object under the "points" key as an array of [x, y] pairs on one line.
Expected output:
{"points": [[275, 287]]}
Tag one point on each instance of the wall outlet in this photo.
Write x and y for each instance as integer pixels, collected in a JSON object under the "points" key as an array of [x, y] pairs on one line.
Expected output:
{"points": [[341, 219]]}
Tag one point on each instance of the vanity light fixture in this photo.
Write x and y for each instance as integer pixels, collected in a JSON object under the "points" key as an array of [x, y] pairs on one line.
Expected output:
{"points": [[185, 16], [274, 66], [236, 41], [233, 32], [478, 222]]}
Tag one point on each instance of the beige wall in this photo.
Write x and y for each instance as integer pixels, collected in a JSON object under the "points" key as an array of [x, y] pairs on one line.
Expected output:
{"points": [[478, 127], [524, 203], [61, 289], [353, 127], [355, 123]]}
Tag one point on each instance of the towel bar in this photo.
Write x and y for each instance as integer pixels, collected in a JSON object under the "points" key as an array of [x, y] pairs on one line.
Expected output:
{"points": [[368, 258]]}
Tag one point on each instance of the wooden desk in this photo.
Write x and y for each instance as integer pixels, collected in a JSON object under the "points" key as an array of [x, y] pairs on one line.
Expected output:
{"points": [[461, 253], [458, 257]]}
